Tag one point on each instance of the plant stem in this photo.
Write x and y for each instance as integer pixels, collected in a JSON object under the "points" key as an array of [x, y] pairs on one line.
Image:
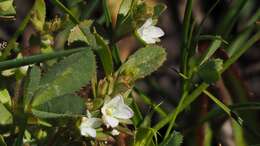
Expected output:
{"points": [[240, 52], [184, 63], [36, 59], [148, 101], [187, 100]]}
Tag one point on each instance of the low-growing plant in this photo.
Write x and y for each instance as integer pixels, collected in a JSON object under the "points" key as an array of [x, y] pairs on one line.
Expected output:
{"points": [[77, 90]]}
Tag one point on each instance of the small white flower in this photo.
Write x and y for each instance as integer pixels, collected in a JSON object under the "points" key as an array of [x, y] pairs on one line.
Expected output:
{"points": [[88, 126], [115, 111], [149, 33], [115, 132]]}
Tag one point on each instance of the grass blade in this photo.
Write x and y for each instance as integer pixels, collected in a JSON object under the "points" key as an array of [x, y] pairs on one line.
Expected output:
{"points": [[36, 59]]}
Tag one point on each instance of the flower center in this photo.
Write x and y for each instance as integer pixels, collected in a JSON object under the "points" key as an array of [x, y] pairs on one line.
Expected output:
{"points": [[110, 111]]}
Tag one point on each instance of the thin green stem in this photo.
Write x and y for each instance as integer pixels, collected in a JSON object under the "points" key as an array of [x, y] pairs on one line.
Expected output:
{"points": [[36, 59], [148, 101], [187, 100], [184, 63], [241, 51], [224, 108], [185, 38], [219, 103]]}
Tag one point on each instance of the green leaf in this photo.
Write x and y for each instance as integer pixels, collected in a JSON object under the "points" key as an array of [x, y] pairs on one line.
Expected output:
{"points": [[143, 62], [81, 32], [210, 51], [131, 16], [125, 7], [31, 84], [66, 77], [60, 106], [209, 72], [144, 137], [5, 97], [2, 141], [6, 7], [175, 139], [5, 116], [159, 9], [104, 54], [38, 14], [107, 13]]}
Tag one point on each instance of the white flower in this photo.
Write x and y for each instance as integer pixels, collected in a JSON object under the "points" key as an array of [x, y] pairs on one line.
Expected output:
{"points": [[115, 132], [149, 33], [115, 111], [88, 126]]}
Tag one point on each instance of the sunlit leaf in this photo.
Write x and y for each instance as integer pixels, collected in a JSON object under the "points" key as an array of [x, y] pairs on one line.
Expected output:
{"points": [[6, 7], [5, 97], [124, 10], [38, 14], [143, 62], [82, 33], [5, 116]]}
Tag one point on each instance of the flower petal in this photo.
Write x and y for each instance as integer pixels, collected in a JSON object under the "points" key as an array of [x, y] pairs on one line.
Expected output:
{"points": [[147, 23], [90, 122], [148, 39], [123, 112], [154, 32], [110, 121], [116, 100], [87, 131], [95, 122]]}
